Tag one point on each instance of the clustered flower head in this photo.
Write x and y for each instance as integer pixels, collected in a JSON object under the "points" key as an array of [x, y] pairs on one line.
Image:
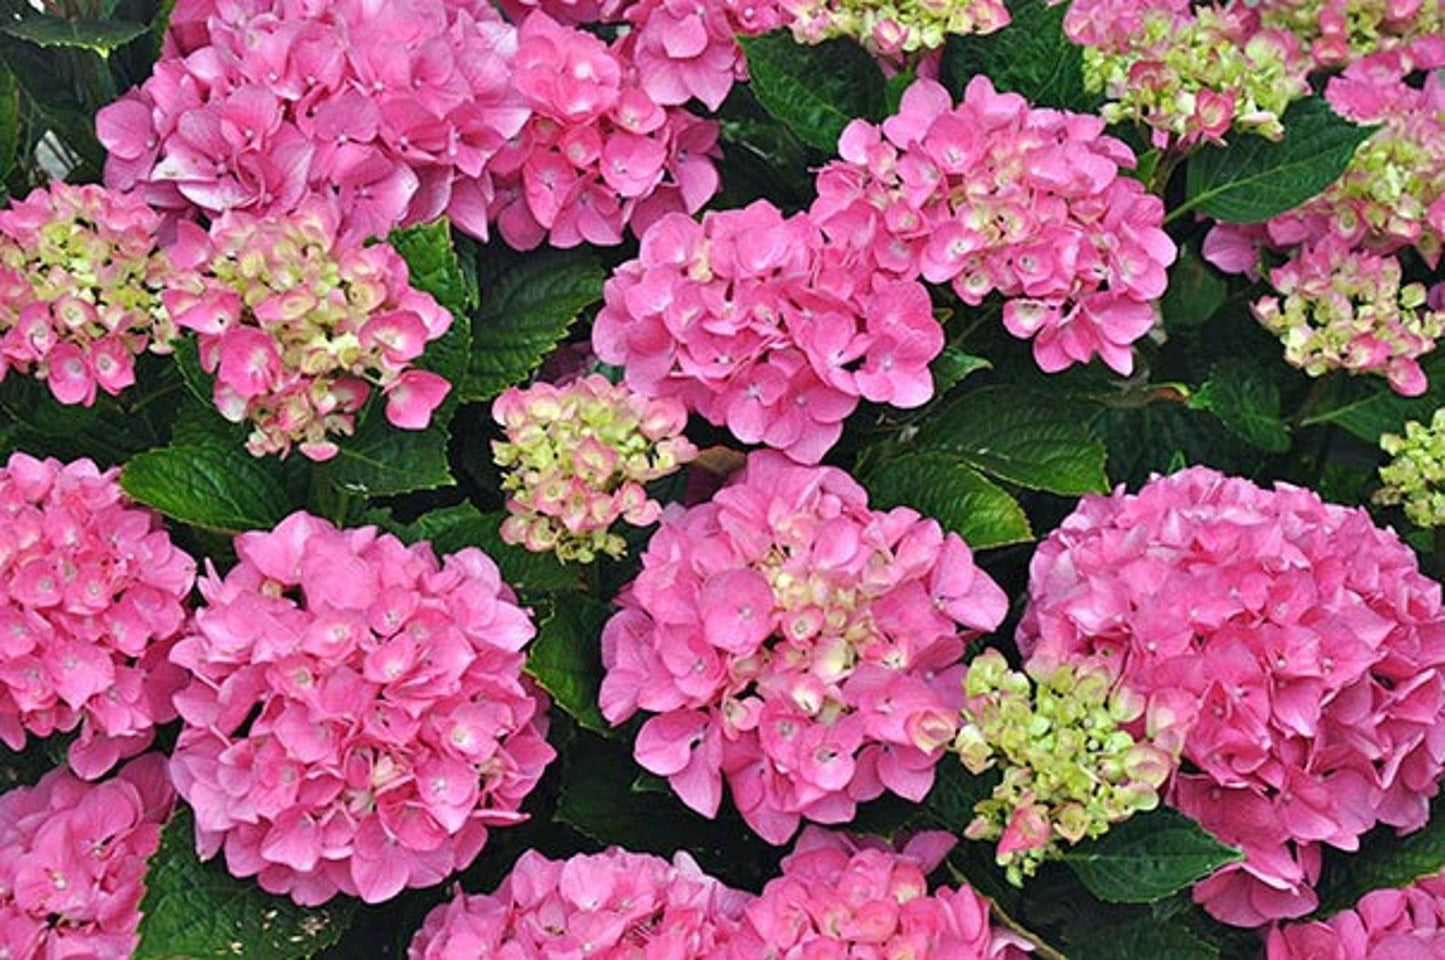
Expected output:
{"points": [[71, 879], [1296, 644], [1415, 475], [839, 899], [679, 49], [1340, 31], [599, 152], [94, 595], [896, 28], [394, 109], [356, 720], [577, 457], [613, 905], [299, 325], [795, 642], [1070, 767], [1344, 309], [750, 319], [80, 277], [995, 197], [1406, 924], [1190, 75]]}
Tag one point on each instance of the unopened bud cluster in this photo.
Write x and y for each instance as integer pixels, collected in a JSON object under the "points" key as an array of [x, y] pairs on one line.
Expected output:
{"points": [[1191, 77], [1415, 475], [1343, 309], [893, 28], [1070, 769], [577, 457]]}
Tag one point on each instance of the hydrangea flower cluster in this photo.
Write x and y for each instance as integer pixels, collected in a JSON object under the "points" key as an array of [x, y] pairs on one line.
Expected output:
{"points": [[795, 642], [577, 457], [613, 905], [94, 595], [80, 275], [1070, 768], [299, 323], [1407, 924], [1295, 642], [1415, 475], [1190, 75], [394, 109], [72, 877], [1344, 309], [839, 899], [993, 196], [679, 49], [356, 719], [599, 152], [1338, 32], [895, 29], [749, 319]]}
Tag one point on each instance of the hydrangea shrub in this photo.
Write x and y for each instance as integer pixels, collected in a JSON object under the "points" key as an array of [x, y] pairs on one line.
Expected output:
{"points": [[722, 480]]}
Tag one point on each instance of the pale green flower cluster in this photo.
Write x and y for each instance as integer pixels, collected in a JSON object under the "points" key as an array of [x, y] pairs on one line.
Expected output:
{"points": [[576, 459], [1415, 475], [1345, 309], [1070, 769], [895, 27], [1193, 79]]}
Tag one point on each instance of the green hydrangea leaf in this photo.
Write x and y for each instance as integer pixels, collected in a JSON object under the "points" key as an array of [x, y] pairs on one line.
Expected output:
{"points": [[528, 305], [209, 486], [1025, 438], [566, 660], [98, 36], [1148, 857], [382, 460], [1031, 56], [194, 910], [956, 495], [815, 90], [1253, 179], [1245, 398]]}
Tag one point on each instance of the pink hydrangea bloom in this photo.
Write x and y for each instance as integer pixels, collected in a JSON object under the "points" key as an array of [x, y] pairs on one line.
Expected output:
{"points": [[1406, 924], [576, 458], [80, 277], [72, 875], [1340, 308], [299, 323], [613, 905], [992, 196], [751, 320], [800, 645], [839, 899], [1296, 646], [599, 152], [94, 596], [394, 109], [356, 719], [680, 49]]}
